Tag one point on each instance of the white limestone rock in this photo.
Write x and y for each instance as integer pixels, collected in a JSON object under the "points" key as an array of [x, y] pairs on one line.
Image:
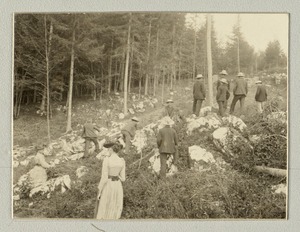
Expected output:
{"points": [[235, 122], [81, 171]]}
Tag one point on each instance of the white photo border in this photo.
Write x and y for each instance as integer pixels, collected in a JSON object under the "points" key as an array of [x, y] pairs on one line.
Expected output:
{"points": [[9, 7]]}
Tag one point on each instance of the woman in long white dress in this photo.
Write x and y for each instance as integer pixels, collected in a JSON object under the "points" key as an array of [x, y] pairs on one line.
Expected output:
{"points": [[110, 188]]}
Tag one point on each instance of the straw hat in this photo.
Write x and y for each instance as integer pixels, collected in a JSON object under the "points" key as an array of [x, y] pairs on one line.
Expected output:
{"points": [[223, 72], [240, 74], [258, 82], [199, 76], [169, 101]]}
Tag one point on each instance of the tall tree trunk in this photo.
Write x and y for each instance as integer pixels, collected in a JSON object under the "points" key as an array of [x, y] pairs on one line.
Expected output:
{"points": [[156, 63], [47, 51], [116, 77], [94, 88], [209, 61], [70, 95], [126, 66], [173, 73], [238, 48], [195, 50], [148, 57], [163, 86], [140, 80], [130, 72], [110, 67]]}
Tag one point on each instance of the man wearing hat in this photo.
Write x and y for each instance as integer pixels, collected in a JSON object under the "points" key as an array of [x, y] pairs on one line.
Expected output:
{"points": [[240, 91], [128, 132], [260, 96], [90, 136], [199, 94], [167, 141], [169, 109], [222, 74], [222, 93]]}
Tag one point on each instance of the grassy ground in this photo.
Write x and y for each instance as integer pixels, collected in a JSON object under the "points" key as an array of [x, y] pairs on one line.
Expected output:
{"points": [[212, 194]]}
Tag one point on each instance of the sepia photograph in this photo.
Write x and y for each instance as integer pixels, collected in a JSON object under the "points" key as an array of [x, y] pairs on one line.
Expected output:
{"points": [[150, 115]]}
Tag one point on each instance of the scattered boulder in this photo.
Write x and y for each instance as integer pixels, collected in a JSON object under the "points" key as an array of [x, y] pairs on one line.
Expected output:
{"points": [[211, 121], [235, 122], [81, 171], [227, 139], [205, 110], [16, 164], [280, 189], [203, 160], [121, 116], [140, 140], [37, 176], [76, 156], [155, 164]]}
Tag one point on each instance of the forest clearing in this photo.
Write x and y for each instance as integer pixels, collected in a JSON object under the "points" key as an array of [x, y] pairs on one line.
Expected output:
{"points": [[229, 167]]}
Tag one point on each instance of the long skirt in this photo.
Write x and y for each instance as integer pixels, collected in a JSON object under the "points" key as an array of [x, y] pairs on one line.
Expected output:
{"points": [[111, 201]]}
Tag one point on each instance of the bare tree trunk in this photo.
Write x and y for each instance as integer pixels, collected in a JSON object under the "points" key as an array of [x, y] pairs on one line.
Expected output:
{"points": [[156, 68], [70, 95], [195, 50], [126, 66], [140, 80], [163, 86], [173, 73], [116, 77], [94, 89], [47, 51], [238, 47], [209, 61], [110, 67], [148, 56], [130, 72]]}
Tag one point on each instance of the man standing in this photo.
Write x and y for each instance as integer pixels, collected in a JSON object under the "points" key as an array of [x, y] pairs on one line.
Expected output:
{"points": [[260, 96], [90, 136], [222, 74], [240, 91], [169, 109], [167, 141], [128, 133], [222, 94], [199, 94]]}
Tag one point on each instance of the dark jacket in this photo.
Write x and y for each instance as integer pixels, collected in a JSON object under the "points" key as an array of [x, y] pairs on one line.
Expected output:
{"points": [[261, 93], [167, 140], [219, 83], [240, 87], [222, 93], [169, 111], [89, 130], [131, 127], [199, 90]]}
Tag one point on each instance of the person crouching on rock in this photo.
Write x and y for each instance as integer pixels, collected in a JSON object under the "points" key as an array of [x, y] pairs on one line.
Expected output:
{"points": [[90, 135], [222, 95], [167, 141], [128, 132]]}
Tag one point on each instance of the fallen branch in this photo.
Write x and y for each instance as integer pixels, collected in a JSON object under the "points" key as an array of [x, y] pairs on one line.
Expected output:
{"points": [[271, 171]]}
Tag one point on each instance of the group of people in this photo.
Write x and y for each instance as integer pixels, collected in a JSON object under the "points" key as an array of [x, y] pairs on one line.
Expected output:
{"points": [[109, 202], [240, 91], [110, 192]]}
